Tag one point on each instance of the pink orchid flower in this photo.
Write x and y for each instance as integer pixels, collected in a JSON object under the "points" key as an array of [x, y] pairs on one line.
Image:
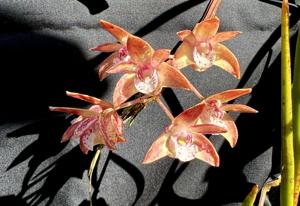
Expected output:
{"points": [[145, 72], [184, 139], [119, 49], [201, 48], [216, 108], [100, 124]]}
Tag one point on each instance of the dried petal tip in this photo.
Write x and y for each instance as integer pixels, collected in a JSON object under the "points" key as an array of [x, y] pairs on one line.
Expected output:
{"points": [[52, 108]]}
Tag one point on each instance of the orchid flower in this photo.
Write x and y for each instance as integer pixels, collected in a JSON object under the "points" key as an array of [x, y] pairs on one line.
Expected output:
{"points": [[184, 139], [201, 48], [216, 108], [100, 124], [145, 72], [119, 49]]}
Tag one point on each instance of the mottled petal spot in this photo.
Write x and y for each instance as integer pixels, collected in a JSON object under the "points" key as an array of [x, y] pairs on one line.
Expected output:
{"points": [[146, 80], [204, 56]]}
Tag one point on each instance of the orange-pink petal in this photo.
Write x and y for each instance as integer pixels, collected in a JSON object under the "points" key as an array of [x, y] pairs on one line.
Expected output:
{"points": [[93, 100], [238, 108], [157, 150], [189, 116], [226, 60], [69, 133], [107, 47], [70, 110], [207, 129], [187, 36], [184, 33], [207, 151], [224, 36], [171, 77], [139, 50], [160, 56], [87, 131], [108, 63], [119, 33], [120, 139], [124, 89], [125, 67], [183, 56], [190, 39], [232, 133], [206, 29], [229, 95], [108, 131], [86, 143]]}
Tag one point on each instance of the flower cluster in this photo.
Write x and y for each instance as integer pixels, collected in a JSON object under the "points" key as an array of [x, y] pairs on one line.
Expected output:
{"points": [[146, 72]]}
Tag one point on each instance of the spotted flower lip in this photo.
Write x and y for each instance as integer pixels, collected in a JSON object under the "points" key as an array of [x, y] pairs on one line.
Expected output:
{"points": [[184, 139], [215, 112], [118, 48], [100, 124], [146, 72], [201, 48]]}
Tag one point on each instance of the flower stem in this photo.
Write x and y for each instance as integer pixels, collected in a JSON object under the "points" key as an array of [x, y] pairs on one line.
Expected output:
{"points": [[211, 9], [143, 99], [91, 170], [266, 188], [164, 108], [296, 118], [250, 198], [287, 150]]}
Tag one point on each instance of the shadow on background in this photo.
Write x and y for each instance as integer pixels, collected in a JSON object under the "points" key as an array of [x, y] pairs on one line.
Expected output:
{"points": [[12, 200], [166, 16], [132, 170], [37, 69], [95, 6]]}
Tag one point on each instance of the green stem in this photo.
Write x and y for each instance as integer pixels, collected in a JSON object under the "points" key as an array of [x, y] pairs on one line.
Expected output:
{"points": [[287, 150], [250, 198], [91, 170], [296, 118]]}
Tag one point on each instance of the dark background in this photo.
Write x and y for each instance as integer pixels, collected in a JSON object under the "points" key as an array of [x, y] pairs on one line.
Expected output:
{"points": [[44, 52]]}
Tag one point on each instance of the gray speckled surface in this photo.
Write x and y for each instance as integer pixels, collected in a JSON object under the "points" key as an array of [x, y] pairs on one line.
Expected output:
{"points": [[44, 51]]}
